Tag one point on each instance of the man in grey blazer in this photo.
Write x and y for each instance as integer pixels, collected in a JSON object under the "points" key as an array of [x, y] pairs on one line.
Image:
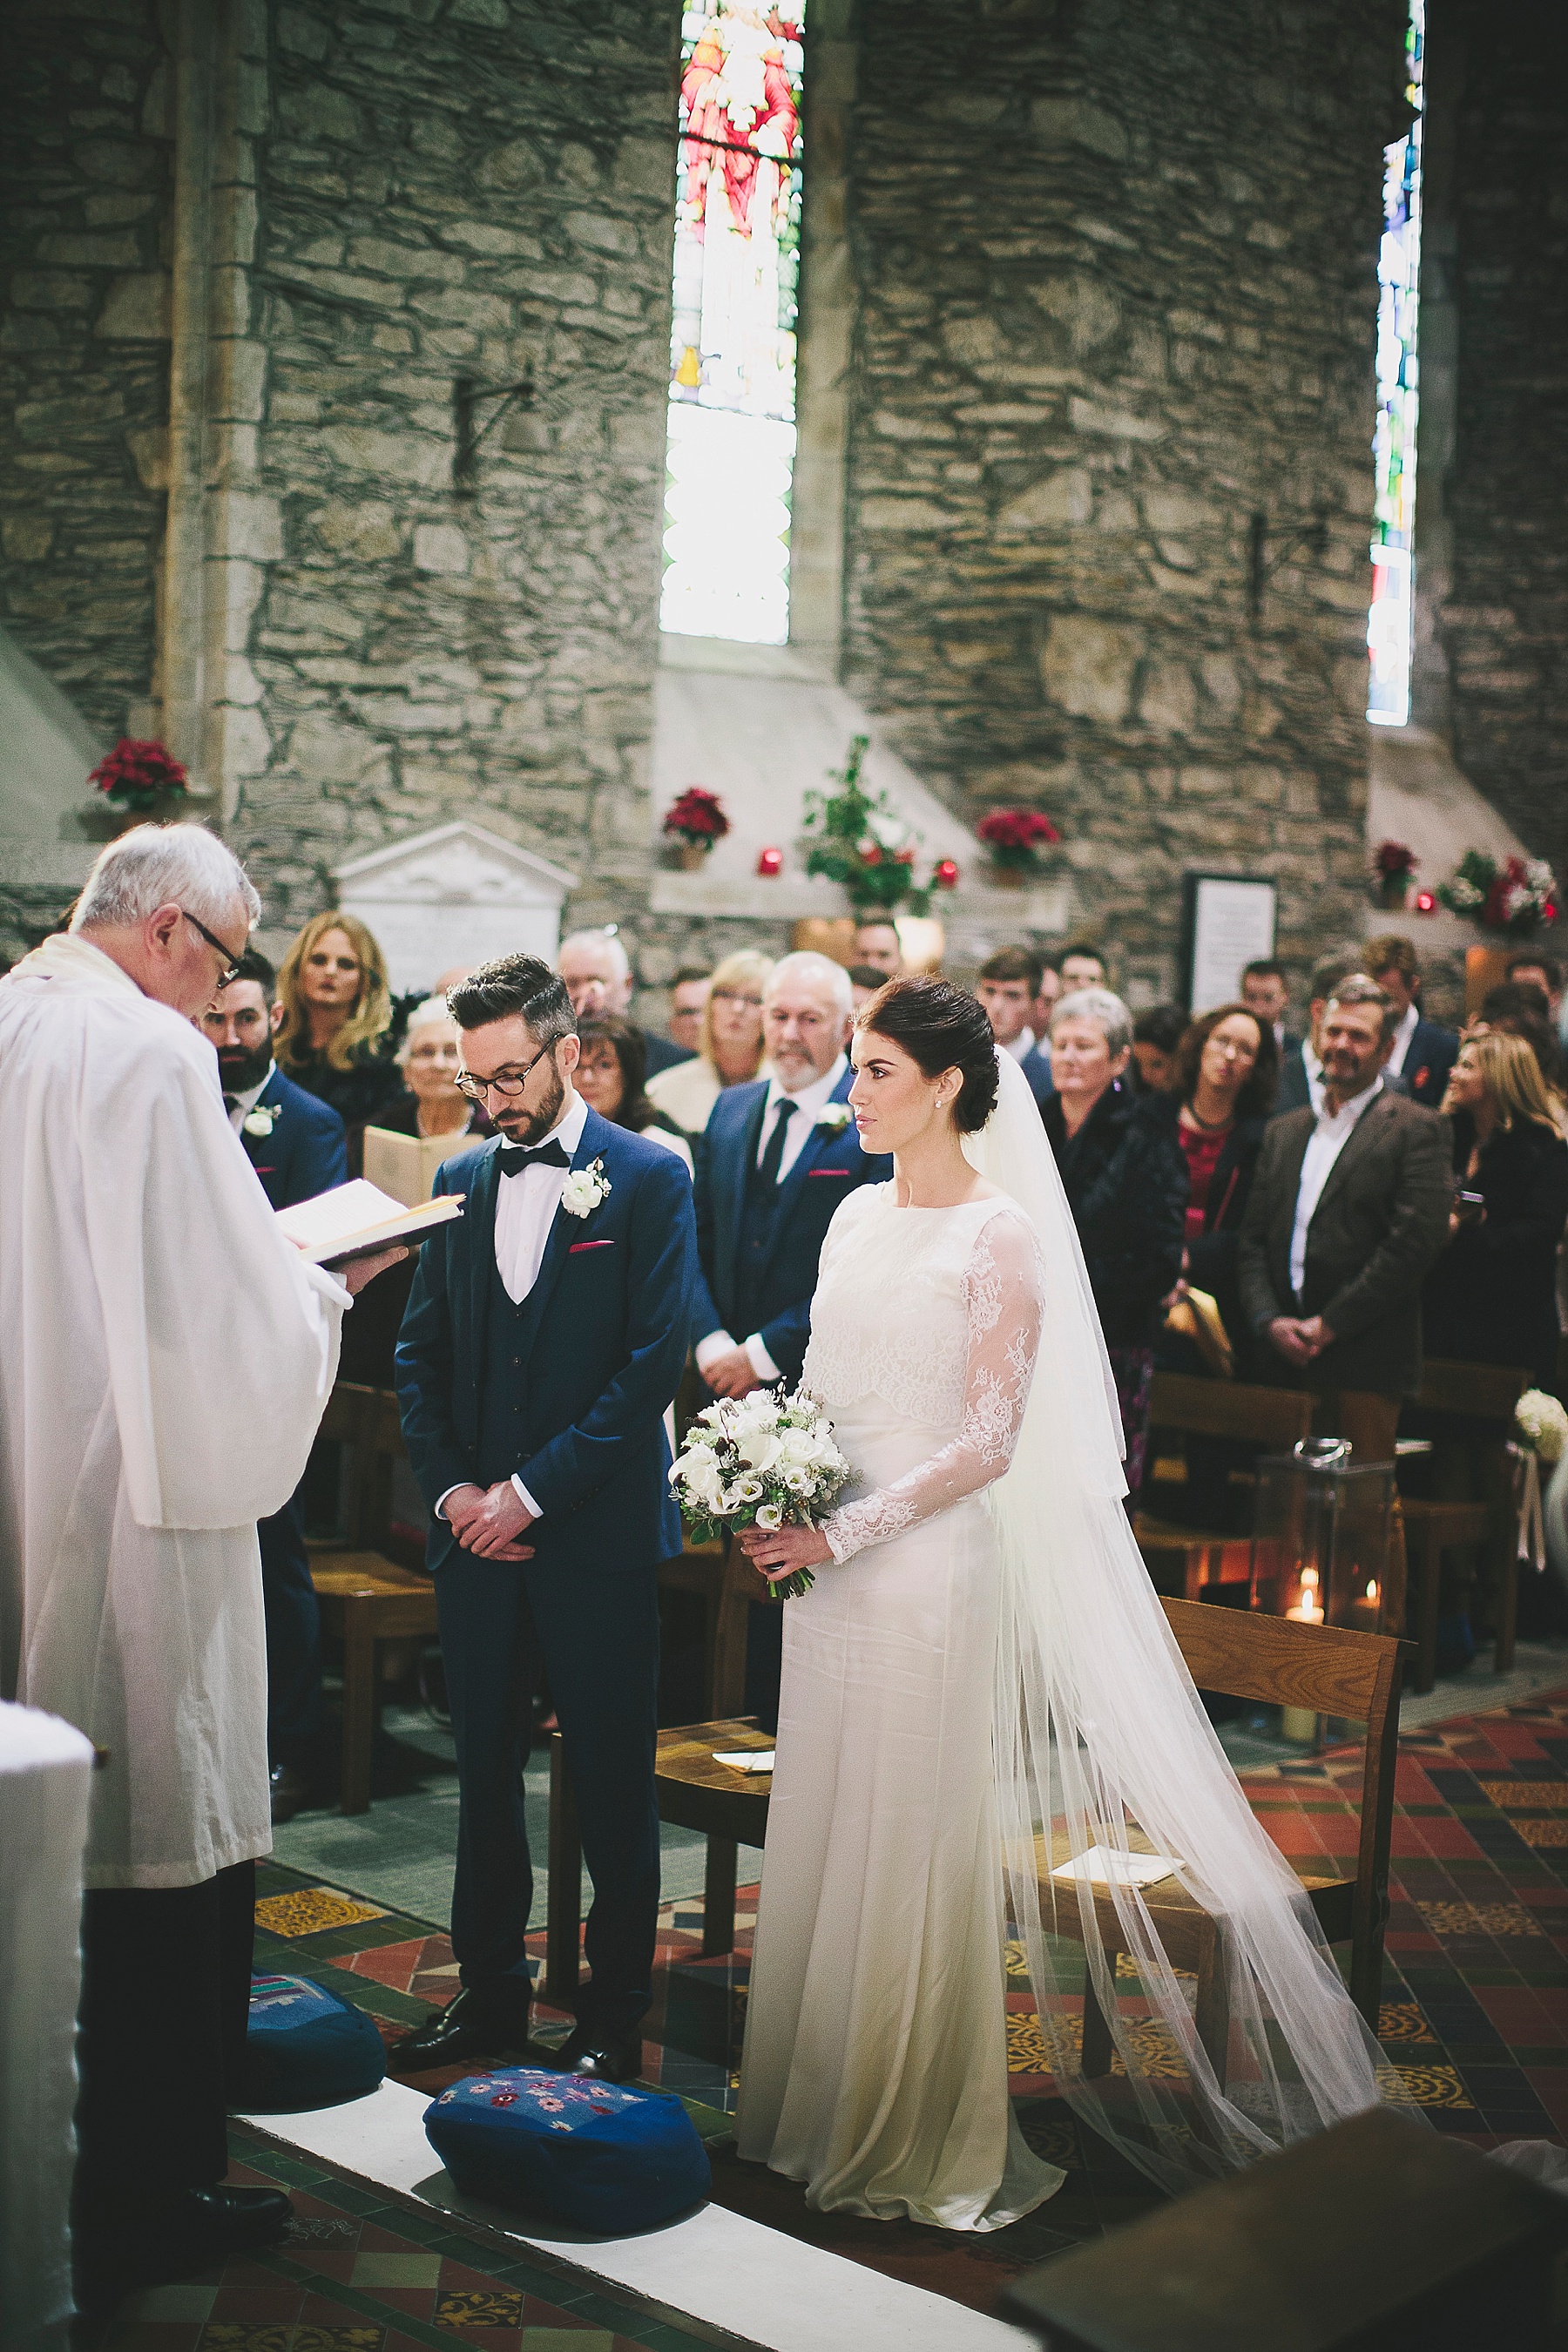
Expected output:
{"points": [[1349, 1209]]}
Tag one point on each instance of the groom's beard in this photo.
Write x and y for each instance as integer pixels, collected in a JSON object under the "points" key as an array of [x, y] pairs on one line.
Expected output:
{"points": [[531, 1127]]}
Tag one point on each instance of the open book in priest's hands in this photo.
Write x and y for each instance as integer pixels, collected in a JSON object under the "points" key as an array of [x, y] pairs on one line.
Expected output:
{"points": [[357, 1219]]}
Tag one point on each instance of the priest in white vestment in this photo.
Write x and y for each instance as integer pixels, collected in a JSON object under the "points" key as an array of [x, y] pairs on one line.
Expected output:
{"points": [[167, 1356]]}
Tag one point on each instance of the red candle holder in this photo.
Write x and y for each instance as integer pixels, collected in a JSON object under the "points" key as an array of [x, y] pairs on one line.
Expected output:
{"points": [[944, 874], [1425, 903], [770, 865]]}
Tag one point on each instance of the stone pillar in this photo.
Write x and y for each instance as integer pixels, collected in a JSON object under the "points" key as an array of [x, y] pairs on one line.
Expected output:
{"points": [[221, 531]]}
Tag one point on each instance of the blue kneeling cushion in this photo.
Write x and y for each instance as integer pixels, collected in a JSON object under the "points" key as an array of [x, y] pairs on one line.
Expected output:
{"points": [[586, 2153], [306, 2048]]}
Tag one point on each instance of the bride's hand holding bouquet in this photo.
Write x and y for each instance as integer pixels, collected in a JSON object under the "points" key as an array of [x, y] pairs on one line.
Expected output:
{"points": [[761, 1464]]}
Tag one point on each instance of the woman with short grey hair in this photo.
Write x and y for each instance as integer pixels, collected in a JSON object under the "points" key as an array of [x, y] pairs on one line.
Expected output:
{"points": [[1126, 1182]]}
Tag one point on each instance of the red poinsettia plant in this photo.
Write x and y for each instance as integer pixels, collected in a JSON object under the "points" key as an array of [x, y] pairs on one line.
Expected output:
{"points": [[1014, 836], [137, 775], [697, 817], [1392, 859]]}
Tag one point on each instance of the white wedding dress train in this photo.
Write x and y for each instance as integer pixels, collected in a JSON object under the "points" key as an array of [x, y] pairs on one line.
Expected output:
{"points": [[876, 2052]]}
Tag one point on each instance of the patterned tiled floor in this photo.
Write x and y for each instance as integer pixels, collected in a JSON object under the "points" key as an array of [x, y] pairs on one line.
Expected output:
{"points": [[1475, 2015], [362, 2273]]}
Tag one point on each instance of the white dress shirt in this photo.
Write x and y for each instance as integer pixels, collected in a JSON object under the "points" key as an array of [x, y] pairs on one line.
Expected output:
{"points": [[526, 1204], [243, 1104], [1328, 1139], [1314, 1070], [1401, 1037], [809, 1102], [1021, 1046]]}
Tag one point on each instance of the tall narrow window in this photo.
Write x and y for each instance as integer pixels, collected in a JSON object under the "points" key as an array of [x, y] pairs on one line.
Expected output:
{"points": [[1393, 443], [731, 390]]}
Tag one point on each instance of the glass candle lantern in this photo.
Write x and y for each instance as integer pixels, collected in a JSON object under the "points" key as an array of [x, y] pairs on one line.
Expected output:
{"points": [[1320, 1535]]}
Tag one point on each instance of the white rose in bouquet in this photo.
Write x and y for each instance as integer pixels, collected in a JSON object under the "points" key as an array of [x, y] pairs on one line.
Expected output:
{"points": [[762, 1460], [1541, 1423]]}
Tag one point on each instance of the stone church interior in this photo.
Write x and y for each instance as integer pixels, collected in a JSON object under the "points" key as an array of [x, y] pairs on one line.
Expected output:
{"points": [[1062, 496]]}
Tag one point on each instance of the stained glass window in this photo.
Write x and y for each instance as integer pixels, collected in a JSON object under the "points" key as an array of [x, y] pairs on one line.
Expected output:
{"points": [[731, 389], [1394, 441]]}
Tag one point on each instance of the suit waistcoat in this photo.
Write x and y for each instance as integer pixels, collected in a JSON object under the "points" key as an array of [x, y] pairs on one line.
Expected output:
{"points": [[504, 1385]]}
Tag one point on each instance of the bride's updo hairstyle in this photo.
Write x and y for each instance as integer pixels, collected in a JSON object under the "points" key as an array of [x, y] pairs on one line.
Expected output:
{"points": [[940, 1028]]}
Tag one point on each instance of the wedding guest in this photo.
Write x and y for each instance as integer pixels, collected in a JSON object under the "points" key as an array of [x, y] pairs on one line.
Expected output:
{"points": [[1518, 1008], [1127, 1187], [1266, 992], [1008, 986], [779, 1157], [546, 1338], [877, 944], [334, 1022], [865, 980], [598, 972], [1490, 1298], [298, 1147], [1301, 1070], [1215, 1110], [431, 1058], [1422, 1053], [688, 996], [730, 1052], [1348, 1210], [168, 1356], [1081, 967], [1533, 969], [1046, 1002], [1157, 1033], [610, 1080]]}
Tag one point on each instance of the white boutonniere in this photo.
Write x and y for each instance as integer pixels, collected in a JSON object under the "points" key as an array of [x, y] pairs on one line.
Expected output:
{"points": [[585, 1189], [262, 1119], [834, 1117]]}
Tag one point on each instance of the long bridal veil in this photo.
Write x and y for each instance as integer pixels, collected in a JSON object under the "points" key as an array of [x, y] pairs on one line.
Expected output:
{"points": [[1099, 1737]]}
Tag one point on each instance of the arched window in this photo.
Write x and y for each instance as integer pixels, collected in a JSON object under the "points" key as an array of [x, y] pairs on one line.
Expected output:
{"points": [[733, 355], [1394, 441]]}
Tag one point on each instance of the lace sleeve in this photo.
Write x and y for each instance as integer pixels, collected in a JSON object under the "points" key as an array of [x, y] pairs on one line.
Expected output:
{"points": [[1003, 1301]]}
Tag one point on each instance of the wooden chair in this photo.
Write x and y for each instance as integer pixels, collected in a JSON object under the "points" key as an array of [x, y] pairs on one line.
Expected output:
{"points": [[1485, 1393], [1181, 1560], [365, 1598], [693, 1792], [726, 1583], [1326, 1670]]}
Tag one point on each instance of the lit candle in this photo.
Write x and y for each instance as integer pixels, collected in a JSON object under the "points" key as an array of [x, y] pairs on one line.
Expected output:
{"points": [[1372, 1590]]}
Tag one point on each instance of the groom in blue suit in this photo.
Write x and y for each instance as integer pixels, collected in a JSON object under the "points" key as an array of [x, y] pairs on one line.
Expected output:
{"points": [[545, 1335], [778, 1157]]}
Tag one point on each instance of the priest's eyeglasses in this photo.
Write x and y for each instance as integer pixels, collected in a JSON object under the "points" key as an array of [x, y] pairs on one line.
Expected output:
{"points": [[231, 963], [510, 1083]]}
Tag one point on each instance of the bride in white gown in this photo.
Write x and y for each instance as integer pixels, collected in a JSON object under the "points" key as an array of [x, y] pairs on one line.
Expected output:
{"points": [[981, 1660]]}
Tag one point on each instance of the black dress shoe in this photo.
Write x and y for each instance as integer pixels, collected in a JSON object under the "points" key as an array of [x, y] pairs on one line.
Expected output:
{"points": [[607, 2057], [290, 1791], [192, 2232], [478, 2025]]}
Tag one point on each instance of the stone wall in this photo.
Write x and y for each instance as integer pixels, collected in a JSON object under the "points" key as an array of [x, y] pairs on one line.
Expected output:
{"points": [[477, 191], [1505, 498], [1116, 272], [84, 224]]}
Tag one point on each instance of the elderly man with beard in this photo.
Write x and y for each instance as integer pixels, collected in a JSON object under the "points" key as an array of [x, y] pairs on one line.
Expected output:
{"points": [[545, 1335]]}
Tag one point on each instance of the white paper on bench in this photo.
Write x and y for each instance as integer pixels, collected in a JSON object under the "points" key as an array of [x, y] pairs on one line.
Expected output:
{"points": [[745, 1759], [1103, 1864]]}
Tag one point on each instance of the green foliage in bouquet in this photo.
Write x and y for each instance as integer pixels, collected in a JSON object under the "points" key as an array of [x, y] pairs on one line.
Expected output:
{"points": [[862, 844], [760, 1461]]}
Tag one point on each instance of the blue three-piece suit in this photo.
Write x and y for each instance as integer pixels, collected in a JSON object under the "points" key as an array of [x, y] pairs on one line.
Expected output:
{"points": [[566, 1391]]}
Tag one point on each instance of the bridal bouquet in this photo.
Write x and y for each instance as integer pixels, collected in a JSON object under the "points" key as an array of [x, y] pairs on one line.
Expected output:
{"points": [[760, 1461]]}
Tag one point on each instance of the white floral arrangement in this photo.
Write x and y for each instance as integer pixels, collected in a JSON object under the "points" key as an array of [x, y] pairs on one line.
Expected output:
{"points": [[261, 1118], [1543, 1424], [760, 1461], [585, 1189], [834, 1117]]}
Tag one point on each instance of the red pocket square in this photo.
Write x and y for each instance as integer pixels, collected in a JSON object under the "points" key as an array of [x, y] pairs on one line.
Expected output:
{"points": [[839, 1173], [583, 1246]]}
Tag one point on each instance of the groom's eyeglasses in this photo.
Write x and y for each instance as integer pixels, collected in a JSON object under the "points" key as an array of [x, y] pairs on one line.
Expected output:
{"points": [[509, 1083]]}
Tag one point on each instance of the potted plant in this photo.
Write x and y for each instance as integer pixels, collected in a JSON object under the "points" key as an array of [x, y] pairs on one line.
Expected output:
{"points": [[862, 844], [1515, 897], [140, 780], [697, 820], [1015, 838], [1391, 868]]}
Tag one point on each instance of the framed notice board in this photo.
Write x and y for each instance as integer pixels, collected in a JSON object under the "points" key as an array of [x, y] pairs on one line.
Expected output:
{"points": [[1227, 919]]}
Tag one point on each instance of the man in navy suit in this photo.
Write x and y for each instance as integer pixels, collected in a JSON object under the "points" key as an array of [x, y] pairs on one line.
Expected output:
{"points": [[1423, 1054], [1009, 986], [778, 1157], [545, 1335], [298, 1147]]}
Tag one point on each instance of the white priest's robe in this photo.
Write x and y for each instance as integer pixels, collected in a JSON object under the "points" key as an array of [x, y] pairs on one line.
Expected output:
{"points": [[164, 1359]]}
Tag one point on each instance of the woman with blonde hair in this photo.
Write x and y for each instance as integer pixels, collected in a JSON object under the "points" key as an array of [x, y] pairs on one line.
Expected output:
{"points": [[1491, 1299], [731, 1051], [334, 1020]]}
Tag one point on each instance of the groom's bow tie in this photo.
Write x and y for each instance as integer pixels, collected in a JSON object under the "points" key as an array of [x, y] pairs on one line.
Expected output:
{"points": [[513, 1159]]}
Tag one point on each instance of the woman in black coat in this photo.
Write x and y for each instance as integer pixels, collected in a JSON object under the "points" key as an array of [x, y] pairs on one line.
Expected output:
{"points": [[1221, 1092], [1126, 1183], [1491, 1297]]}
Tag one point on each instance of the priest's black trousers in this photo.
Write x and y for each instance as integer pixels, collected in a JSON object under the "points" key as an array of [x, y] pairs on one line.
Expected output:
{"points": [[165, 1998]]}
